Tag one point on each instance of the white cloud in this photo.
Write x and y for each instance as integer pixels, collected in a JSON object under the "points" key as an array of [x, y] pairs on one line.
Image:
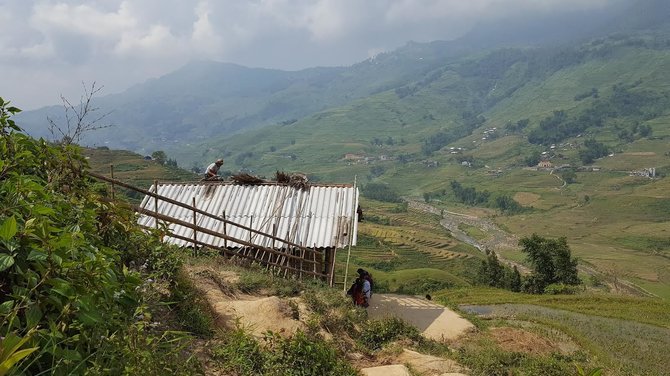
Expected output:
{"points": [[204, 38], [82, 19], [120, 42], [158, 41]]}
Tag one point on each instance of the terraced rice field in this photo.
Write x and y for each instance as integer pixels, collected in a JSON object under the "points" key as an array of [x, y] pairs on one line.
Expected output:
{"points": [[392, 243]]}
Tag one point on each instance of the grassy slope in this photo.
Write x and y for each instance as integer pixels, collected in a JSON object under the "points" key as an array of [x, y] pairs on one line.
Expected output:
{"points": [[132, 168]]}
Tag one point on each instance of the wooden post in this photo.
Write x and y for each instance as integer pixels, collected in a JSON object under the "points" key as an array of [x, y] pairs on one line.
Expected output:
{"points": [[111, 168], [225, 241], [195, 233], [314, 265], [251, 222], [156, 203]]}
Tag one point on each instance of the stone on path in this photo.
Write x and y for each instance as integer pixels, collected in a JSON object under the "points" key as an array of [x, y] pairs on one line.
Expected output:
{"points": [[392, 370]]}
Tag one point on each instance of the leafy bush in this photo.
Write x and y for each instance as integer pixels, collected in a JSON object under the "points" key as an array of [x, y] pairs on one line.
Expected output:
{"points": [[301, 355], [73, 266], [377, 333], [193, 312], [259, 279], [297, 355], [241, 353], [552, 263], [593, 150], [380, 192], [486, 358]]}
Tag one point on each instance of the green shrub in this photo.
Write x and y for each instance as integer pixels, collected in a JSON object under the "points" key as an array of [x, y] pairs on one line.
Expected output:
{"points": [[241, 353], [488, 359], [76, 272], [378, 333], [300, 355], [193, 311], [258, 279], [422, 286], [380, 192], [137, 351]]}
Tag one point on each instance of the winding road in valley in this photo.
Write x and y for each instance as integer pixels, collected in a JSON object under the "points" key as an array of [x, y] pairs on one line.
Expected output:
{"points": [[496, 239]]}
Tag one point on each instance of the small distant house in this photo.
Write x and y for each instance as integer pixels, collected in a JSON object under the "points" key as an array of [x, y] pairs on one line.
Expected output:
{"points": [[353, 157], [544, 164], [466, 164], [645, 173]]}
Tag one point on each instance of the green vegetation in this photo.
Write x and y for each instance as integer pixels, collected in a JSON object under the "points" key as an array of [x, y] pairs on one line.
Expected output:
{"points": [[277, 355], [484, 357], [79, 278], [552, 263], [494, 274], [470, 196], [380, 192], [620, 346], [74, 270]]}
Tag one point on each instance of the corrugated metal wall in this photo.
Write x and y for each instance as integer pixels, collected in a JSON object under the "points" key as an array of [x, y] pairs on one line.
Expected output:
{"points": [[321, 216]]}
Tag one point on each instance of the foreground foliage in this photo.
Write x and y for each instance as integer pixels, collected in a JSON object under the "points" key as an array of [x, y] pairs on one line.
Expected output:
{"points": [[76, 273]]}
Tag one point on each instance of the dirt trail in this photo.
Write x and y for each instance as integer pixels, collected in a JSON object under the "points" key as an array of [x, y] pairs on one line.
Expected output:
{"points": [[433, 320], [258, 314]]}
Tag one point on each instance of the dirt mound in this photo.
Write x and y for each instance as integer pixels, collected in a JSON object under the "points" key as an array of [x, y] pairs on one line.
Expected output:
{"points": [[260, 314], [257, 314]]}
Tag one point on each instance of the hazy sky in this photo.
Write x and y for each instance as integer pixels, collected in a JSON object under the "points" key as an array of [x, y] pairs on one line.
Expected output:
{"points": [[49, 47]]}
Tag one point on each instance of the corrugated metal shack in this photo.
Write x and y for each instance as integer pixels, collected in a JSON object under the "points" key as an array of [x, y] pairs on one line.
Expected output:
{"points": [[321, 218]]}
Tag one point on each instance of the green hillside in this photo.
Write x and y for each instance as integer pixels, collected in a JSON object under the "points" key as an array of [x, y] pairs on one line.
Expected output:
{"points": [[613, 90]]}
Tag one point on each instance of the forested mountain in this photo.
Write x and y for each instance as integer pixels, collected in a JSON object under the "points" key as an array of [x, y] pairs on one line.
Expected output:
{"points": [[205, 100], [611, 88]]}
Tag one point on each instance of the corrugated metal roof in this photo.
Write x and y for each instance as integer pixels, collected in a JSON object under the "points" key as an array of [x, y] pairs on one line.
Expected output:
{"points": [[318, 217]]}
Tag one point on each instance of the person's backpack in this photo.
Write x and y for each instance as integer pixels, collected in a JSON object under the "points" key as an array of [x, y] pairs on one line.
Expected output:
{"points": [[368, 277]]}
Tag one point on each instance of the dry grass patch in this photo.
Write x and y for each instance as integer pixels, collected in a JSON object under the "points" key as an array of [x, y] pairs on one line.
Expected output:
{"points": [[519, 340], [526, 198]]}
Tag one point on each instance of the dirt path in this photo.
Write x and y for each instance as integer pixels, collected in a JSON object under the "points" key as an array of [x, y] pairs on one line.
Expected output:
{"points": [[433, 320]]}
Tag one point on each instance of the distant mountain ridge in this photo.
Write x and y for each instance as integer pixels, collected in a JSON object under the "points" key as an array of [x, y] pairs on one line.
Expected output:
{"points": [[207, 100]]}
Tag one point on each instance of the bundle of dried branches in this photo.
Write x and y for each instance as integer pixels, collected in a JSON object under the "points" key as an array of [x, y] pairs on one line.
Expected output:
{"points": [[282, 178], [299, 181], [246, 179]]}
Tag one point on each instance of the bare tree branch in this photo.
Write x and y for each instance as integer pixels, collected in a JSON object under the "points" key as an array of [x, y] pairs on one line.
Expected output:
{"points": [[78, 118]]}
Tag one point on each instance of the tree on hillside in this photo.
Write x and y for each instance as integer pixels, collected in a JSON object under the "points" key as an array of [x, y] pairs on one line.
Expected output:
{"points": [[569, 175], [592, 151], [380, 192], [552, 263], [645, 130], [159, 156], [493, 273], [533, 159]]}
